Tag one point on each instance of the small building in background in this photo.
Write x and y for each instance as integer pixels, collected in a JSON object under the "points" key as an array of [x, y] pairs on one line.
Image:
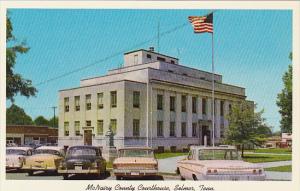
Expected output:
{"points": [[286, 140], [30, 134]]}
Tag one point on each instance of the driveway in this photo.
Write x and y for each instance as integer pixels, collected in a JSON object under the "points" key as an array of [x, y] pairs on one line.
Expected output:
{"points": [[169, 165]]}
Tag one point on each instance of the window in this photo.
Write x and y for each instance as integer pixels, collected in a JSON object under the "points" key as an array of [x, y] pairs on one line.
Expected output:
{"points": [[77, 103], [161, 59], [149, 56], [135, 59], [194, 129], [172, 62], [100, 100], [183, 103], [183, 129], [204, 106], [113, 123], [194, 104], [99, 127], [222, 108], [136, 128], [88, 104], [113, 99], [66, 103], [172, 129], [172, 103], [159, 102], [136, 99], [160, 132], [66, 128], [88, 123], [77, 128]]}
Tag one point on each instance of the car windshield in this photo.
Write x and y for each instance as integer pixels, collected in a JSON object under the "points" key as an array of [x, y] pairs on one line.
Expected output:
{"points": [[15, 152], [136, 153], [217, 154], [47, 151], [81, 152]]}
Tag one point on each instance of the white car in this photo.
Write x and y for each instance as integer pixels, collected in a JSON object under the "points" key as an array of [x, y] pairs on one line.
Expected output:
{"points": [[217, 163], [16, 155]]}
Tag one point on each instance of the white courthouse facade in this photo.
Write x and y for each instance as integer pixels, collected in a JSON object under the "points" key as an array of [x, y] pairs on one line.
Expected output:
{"points": [[152, 100]]}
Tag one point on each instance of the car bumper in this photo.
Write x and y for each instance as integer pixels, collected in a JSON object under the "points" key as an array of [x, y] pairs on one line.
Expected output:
{"points": [[34, 168], [237, 177], [134, 173], [13, 166], [83, 171]]}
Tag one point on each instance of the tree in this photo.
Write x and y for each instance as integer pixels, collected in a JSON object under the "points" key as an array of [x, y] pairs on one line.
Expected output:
{"points": [[285, 102], [17, 116], [53, 121], [15, 83], [41, 121], [245, 125]]}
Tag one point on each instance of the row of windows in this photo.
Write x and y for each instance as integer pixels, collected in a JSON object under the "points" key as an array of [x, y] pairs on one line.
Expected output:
{"points": [[88, 104], [184, 104], [100, 123], [172, 132]]}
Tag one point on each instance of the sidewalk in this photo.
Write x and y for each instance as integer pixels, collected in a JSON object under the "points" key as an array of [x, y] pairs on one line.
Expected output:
{"points": [[275, 164]]}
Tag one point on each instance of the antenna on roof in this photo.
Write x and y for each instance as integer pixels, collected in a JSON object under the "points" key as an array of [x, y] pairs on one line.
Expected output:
{"points": [[158, 26], [178, 53]]}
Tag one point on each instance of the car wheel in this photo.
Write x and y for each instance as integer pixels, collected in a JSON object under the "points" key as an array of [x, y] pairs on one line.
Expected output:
{"points": [[118, 177], [30, 173], [182, 178], [195, 177], [66, 176]]}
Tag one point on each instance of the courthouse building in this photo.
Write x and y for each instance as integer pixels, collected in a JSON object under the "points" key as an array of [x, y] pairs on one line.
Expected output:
{"points": [[151, 100]]}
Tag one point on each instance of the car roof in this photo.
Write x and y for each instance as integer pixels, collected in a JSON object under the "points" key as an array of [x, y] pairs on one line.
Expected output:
{"points": [[84, 146], [20, 148], [221, 147], [136, 148], [50, 148]]}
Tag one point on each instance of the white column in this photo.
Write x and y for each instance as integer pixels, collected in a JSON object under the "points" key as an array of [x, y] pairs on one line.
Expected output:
{"points": [[209, 108], [199, 107], [217, 119], [226, 112], [154, 114], [178, 114], [189, 116]]}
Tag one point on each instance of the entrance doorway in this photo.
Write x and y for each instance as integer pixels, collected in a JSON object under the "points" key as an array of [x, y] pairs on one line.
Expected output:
{"points": [[87, 137], [205, 132]]}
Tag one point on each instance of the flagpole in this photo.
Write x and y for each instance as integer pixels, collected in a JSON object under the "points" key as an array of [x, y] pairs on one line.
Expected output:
{"points": [[213, 89]]}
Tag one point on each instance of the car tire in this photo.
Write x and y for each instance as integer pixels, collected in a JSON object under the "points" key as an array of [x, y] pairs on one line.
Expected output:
{"points": [[66, 176], [118, 177], [195, 177], [30, 173], [182, 178]]}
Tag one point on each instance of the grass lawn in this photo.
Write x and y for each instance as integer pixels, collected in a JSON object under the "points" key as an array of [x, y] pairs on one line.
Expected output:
{"points": [[257, 158], [287, 168], [168, 155], [275, 150]]}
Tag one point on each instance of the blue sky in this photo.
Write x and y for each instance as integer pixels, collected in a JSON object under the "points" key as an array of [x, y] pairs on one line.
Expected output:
{"points": [[251, 48]]}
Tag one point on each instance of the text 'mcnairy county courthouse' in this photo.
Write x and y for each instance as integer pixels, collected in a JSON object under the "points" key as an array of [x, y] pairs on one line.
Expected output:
{"points": [[178, 114]]}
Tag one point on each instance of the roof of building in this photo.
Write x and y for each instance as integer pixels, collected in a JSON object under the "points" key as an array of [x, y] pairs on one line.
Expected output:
{"points": [[150, 52]]}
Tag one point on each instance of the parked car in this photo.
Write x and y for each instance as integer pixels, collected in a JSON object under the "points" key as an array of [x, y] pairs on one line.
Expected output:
{"points": [[44, 158], [83, 160], [135, 162], [16, 155], [217, 163]]}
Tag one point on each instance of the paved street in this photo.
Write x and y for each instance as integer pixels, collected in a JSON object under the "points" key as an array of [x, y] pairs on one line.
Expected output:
{"points": [[13, 175]]}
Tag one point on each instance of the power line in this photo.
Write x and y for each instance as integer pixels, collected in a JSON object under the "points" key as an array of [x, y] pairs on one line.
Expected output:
{"points": [[112, 55]]}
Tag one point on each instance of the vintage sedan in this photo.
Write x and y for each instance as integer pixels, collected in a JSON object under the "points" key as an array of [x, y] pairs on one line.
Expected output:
{"points": [[135, 162], [16, 155], [83, 160], [217, 163], [44, 158]]}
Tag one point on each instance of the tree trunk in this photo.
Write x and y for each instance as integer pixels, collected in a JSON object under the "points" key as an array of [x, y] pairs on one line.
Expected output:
{"points": [[242, 150]]}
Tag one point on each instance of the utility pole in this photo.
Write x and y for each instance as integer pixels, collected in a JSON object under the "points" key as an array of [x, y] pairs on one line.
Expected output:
{"points": [[54, 107]]}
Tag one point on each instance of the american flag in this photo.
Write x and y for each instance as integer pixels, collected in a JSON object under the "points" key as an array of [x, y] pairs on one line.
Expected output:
{"points": [[202, 24]]}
